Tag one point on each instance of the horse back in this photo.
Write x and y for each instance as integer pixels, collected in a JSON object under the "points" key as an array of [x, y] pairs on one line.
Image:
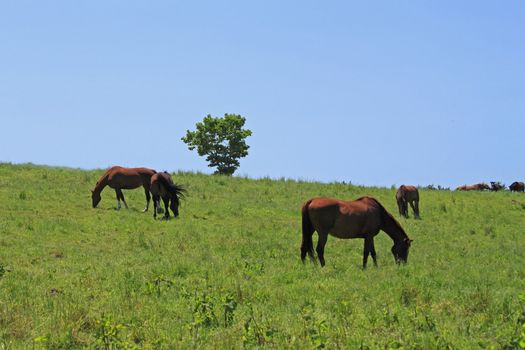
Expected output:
{"points": [[409, 192], [144, 171], [344, 219], [158, 181], [517, 186], [158, 178], [129, 178]]}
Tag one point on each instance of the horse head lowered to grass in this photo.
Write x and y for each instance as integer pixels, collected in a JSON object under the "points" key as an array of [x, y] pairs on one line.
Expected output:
{"points": [[362, 218], [120, 178]]}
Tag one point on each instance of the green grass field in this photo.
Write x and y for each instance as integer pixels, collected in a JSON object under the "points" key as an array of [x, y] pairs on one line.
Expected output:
{"points": [[227, 272]]}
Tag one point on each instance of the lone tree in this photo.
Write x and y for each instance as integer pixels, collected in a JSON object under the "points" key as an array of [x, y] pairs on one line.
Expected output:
{"points": [[222, 140]]}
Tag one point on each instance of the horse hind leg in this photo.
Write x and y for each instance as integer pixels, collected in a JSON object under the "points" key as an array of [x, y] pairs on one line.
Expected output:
{"points": [[416, 209], [413, 205], [405, 209], [402, 205], [123, 200], [400, 208], [118, 199], [373, 250], [156, 205]]}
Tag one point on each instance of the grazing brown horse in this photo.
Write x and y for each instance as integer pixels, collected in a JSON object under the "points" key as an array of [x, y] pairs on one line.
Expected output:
{"points": [[477, 187], [405, 195], [162, 186], [120, 178], [362, 218], [517, 186]]}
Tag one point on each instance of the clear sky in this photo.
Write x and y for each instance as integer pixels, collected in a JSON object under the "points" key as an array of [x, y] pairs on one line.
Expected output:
{"points": [[372, 92]]}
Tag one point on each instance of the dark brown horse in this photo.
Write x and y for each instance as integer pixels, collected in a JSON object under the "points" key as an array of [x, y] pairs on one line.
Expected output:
{"points": [[362, 218], [162, 186], [120, 178], [496, 186], [517, 186], [405, 195], [477, 187]]}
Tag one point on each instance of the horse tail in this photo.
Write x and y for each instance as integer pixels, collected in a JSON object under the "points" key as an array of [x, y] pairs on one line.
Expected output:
{"points": [[307, 246]]}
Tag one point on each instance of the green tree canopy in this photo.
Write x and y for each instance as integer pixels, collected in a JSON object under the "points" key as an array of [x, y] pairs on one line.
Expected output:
{"points": [[221, 140]]}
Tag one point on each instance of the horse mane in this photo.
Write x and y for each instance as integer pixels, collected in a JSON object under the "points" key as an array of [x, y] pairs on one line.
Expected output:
{"points": [[176, 190], [104, 176], [386, 216], [179, 190]]}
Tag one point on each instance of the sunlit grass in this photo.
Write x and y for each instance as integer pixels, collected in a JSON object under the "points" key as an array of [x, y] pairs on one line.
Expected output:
{"points": [[227, 273]]}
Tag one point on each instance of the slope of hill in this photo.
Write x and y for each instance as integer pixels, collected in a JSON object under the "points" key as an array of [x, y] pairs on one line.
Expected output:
{"points": [[227, 273]]}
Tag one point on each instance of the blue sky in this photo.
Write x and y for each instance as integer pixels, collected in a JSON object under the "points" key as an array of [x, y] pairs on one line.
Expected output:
{"points": [[376, 93]]}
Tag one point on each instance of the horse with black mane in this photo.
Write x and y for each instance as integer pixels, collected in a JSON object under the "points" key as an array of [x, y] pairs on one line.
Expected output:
{"points": [[362, 218], [496, 186], [119, 179], [407, 194], [162, 186]]}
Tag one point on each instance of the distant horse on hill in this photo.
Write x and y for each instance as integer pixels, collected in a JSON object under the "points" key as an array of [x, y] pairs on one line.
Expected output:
{"points": [[162, 186], [517, 186], [496, 186], [120, 178], [405, 195], [362, 218], [477, 187]]}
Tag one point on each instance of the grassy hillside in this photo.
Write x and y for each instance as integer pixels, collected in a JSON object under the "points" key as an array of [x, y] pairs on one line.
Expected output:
{"points": [[227, 273]]}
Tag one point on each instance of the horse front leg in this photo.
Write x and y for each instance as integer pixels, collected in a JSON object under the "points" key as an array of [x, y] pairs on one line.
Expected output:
{"points": [[146, 190], [323, 237], [413, 208], [120, 196], [400, 207], [174, 208], [156, 205], [369, 248], [166, 203]]}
